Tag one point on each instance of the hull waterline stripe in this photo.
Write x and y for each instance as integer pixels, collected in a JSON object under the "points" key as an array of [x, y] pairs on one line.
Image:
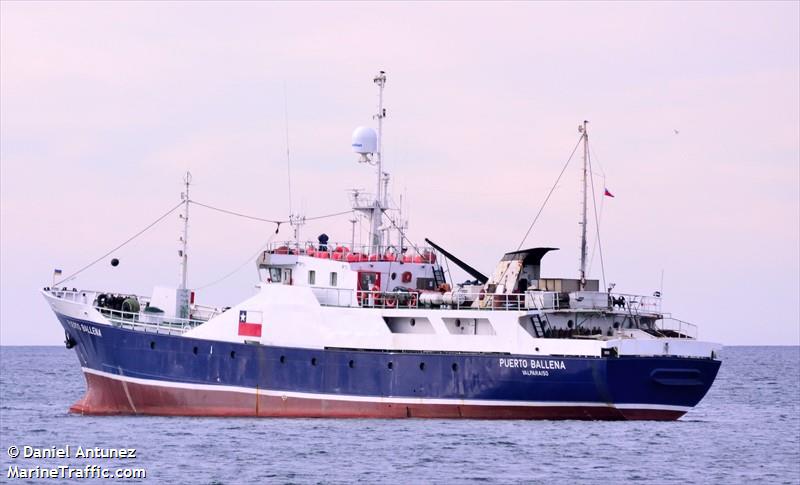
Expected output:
{"points": [[379, 399]]}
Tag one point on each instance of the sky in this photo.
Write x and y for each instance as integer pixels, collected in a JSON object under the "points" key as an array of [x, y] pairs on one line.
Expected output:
{"points": [[694, 112]]}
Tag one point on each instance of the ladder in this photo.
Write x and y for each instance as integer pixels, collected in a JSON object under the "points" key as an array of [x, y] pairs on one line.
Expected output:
{"points": [[438, 275], [538, 325]]}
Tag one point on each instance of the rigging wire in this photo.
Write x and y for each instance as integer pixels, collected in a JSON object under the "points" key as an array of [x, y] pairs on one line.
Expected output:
{"points": [[262, 219], [120, 246], [173, 209], [238, 268], [597, 224], [329, 215], [552, 189], [403, 235], [602, 174], [238, 214]]}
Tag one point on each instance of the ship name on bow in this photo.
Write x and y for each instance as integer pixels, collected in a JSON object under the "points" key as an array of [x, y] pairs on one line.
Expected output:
{"points": [[85, 328]]}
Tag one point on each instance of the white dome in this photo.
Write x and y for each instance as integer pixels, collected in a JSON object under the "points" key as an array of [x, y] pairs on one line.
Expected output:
{"points": [[365, 140]]}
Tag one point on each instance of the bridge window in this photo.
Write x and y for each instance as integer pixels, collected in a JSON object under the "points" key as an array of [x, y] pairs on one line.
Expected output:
{"points": [[312, 277]]}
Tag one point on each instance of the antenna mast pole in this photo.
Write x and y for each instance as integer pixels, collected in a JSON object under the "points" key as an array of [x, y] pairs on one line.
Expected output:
{"points": [[377, 211], [187, 180], [582, 129], [295, 220]]}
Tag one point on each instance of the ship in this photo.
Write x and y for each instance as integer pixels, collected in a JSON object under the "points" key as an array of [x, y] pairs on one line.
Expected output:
{"points": [[378, 329]]}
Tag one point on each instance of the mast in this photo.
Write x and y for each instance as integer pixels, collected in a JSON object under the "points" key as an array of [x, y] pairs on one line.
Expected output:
{"points": [[377, 210], [582, 129], [184, 265], [296, 221]]}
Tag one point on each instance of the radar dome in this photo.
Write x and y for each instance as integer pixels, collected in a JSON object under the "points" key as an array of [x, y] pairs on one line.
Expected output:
{"points": [[365, 140]]}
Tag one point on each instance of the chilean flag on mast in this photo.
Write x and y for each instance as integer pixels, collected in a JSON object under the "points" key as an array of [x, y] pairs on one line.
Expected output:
{"points": [[249, 323], [608, 194]]}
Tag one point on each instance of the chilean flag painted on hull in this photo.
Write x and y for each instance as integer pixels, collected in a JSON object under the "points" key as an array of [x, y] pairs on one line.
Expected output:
{"points": [[249, 323]]}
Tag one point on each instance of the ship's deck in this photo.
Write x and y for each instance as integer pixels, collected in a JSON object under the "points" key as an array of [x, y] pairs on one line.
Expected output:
{"points": [[151, 321]]}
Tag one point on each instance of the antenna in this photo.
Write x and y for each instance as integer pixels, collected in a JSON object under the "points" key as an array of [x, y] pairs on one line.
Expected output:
{"points": [[353, 233], [295, 220], [288, 158]]}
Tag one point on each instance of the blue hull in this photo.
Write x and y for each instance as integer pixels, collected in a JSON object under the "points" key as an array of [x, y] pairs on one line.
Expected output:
{"points": [[137, 372]]}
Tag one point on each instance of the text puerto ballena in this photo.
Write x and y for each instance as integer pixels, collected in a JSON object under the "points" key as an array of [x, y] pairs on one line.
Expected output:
{"points": [[534, 367]]}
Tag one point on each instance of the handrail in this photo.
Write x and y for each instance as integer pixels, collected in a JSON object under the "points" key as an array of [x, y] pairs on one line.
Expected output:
{"points": [[160, 323], [680, 328], [352, 253], [543, 300], [635, 303], [89, 296]]}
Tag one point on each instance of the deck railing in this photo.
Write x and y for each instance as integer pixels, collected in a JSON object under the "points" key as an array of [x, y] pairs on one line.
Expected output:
{"points": [[635, 303], [353, 253], [149, 322], [412, 299], [141, 320], [672, 327]]}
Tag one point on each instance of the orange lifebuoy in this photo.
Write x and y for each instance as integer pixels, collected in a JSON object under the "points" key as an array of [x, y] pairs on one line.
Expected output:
{"points": [[375, 293], [406, 277]]}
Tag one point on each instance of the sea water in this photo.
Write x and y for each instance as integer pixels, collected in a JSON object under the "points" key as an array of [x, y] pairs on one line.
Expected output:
{"points": [[746, 430]]}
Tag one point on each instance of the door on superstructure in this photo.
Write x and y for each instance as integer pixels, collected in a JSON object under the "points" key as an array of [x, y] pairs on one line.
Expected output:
{"points": [[369, 283], [287, 276]]}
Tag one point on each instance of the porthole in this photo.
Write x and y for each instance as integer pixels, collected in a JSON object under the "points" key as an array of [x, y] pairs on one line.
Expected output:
{"points": [[454, 367], [570, 324], [391, 365], [283, 359], [152, 345], [537, 349], [351, 364], [413, 322], [233, 354], [194, 350], [313, 361], [394, 276], [616, 324], [422, 366]]}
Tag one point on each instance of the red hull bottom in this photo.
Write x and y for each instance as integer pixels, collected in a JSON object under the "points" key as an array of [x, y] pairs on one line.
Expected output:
{"points": [[106, 396]]}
